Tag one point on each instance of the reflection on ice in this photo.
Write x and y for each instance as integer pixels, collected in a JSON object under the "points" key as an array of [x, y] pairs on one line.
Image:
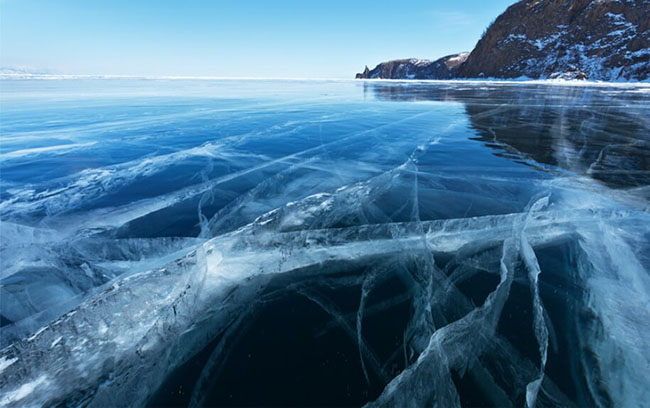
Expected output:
{"points": [[479, 247]]}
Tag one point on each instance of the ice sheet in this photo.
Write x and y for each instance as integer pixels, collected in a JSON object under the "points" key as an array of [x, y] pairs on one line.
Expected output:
{"points": [[511, 220]]}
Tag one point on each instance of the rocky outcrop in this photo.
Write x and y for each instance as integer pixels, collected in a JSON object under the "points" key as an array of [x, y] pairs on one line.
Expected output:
{"points": [[443, 68], [539, 39], [593, 39]]}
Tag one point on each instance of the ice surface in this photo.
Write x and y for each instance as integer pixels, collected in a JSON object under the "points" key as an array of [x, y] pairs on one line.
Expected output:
{"points": [[456, 244]]}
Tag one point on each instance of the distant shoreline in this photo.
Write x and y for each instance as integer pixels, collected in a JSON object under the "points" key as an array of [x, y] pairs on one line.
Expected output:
{"points": [[522, 81]]}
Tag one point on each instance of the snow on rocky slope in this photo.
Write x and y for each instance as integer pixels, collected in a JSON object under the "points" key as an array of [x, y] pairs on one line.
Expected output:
{"points": [[606, 40]]}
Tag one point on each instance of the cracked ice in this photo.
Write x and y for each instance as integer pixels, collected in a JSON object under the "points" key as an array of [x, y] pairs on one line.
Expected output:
{"points": [[379, 244]]}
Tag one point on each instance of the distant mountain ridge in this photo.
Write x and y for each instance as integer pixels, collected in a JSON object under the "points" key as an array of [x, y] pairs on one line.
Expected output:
{"points": [[542, 39]]}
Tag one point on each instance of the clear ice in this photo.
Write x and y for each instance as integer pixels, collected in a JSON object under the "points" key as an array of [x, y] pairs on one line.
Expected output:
{"points": [[499, 234]]}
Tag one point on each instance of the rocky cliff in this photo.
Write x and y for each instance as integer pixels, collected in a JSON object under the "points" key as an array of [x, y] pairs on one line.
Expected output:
{"points": [[443, 68], [539, 39]]}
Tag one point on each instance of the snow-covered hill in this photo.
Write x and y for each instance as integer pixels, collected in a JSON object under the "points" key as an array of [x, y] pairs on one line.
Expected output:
{"points": [[579, 39]]}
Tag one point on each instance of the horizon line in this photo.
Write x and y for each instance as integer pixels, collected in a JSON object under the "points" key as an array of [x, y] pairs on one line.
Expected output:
{"points": [[520, 80]]}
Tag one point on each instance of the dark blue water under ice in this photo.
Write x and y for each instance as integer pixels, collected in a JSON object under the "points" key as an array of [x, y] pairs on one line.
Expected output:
{"points": [[331, 243]]}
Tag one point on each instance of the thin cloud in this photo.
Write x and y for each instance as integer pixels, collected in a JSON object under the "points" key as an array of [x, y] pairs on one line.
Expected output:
{"points": [[453, 19]]}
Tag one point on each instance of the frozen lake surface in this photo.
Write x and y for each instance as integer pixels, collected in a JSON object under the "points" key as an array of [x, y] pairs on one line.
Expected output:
{"points": [[220, 243]]}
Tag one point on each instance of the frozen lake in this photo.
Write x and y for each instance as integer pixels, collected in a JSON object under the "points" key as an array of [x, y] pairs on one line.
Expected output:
{"points": [[223, 243]]}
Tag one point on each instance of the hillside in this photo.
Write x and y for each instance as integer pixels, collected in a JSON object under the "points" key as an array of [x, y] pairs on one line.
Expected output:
{"points": [[539, 39]]}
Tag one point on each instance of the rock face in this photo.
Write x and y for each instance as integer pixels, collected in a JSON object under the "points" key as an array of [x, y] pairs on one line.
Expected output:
{"points": [[573, 39], [594, 39], [443, 68]]}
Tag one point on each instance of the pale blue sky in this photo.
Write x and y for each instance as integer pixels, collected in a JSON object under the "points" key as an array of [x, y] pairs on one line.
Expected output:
{"points": [[239, 38]]}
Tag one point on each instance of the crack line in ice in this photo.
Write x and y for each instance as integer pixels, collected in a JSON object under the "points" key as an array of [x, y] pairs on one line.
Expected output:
{"points": [[347, 328], [541, 331], [365, 290], [456, 344]]}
